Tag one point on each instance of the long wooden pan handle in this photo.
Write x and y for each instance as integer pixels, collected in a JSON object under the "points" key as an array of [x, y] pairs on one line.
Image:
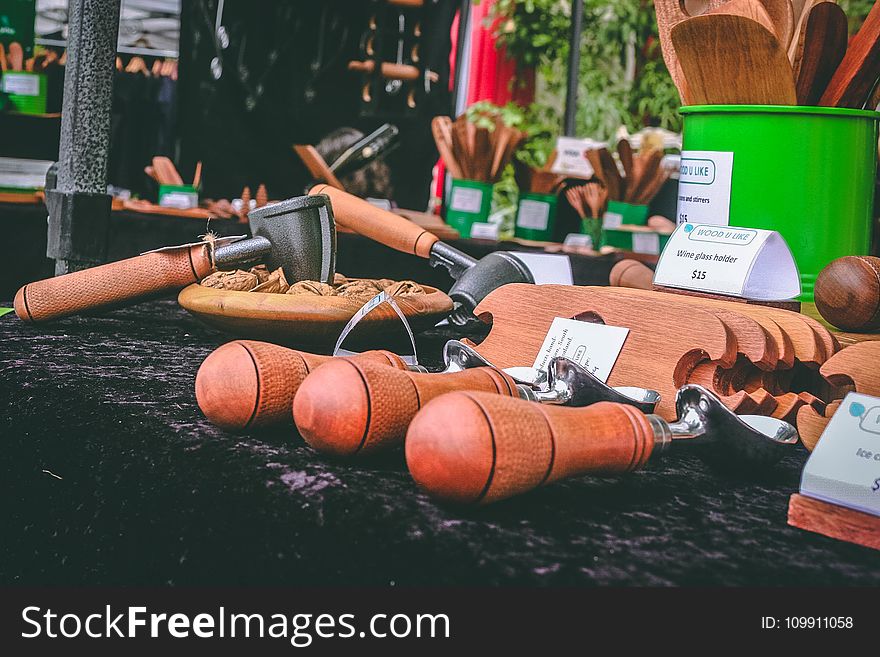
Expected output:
{"points": [[389, 70], [473, 448], [377, 224], [112, 284], [350, 408], [247, 384]]}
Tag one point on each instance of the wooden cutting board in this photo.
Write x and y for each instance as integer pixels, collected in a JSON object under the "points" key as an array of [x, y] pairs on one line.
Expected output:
{"points": [[658, 353], [733, 60]]}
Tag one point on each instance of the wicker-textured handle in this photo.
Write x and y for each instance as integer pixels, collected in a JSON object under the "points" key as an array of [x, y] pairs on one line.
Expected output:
{"points": [[247, 384], [473, 448], [112, 284], [351, 408], [377, 224]]}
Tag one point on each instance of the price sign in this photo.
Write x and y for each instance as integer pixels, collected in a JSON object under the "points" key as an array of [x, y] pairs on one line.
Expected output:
{"points": [[743, 262]]}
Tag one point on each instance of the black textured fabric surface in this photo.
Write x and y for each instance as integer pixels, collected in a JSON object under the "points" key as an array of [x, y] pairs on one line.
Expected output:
{"points": [[110, 475]]}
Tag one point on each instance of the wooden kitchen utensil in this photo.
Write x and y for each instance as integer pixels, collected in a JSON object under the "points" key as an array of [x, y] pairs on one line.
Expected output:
{"points": [[855, 77], [15, 56], [751, 9], [782, 14], [166, 171], [441, 128], [3, 63], [799, 29], [246, 384], [733, 60], [821, 47], [648, 354]]}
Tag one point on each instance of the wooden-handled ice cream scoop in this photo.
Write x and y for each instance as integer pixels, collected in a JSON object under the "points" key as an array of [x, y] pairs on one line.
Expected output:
{"points": [[248, 384], [350, 408], [473, 448]]}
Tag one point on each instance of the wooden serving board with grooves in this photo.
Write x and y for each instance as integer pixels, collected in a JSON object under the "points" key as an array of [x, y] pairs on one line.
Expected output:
{"points": [[521, 316]]}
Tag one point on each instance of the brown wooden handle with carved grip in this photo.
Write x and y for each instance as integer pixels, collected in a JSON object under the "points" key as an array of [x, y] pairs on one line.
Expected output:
{"points": [[247, 384], [377, 224], [350, 408], [112, 284], [473, 448]]}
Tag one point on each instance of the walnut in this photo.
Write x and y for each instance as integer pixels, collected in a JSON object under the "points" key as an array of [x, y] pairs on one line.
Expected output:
{"points": [[261, 272], [383, 283], [276, 284], [313, 288], [339, 279], [362, 289], [404, 288], [231, 280]]}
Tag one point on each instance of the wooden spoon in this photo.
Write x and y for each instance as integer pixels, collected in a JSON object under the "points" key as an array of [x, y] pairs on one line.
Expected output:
{"points": [[15, 57], [625, 153], [782, 15], [852, 82], [799, 22], [823, 46], [733, 60], [752, 9]]}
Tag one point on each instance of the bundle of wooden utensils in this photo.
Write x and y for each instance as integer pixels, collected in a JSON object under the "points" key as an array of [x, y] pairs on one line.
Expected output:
{"points": [[473, 152], [12, 59], [642, 178], [770, 52]]}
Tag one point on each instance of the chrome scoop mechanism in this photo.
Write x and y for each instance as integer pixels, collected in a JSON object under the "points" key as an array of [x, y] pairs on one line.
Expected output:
{"points": [[565, 382], [705, 422]]}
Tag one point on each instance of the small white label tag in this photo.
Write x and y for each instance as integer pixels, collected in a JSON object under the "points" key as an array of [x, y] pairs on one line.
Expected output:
{"points": [[646, 243], [571, 157], [742, 262], [844, 468], [21, 84], [593, 346], [612, 220], [704, 187], [484, 231], [578, 239], [466, 199], [548, 268], [533, 214], [180, 200]]}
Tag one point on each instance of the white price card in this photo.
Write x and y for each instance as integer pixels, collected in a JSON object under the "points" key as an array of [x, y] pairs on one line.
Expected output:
{"points": [[612, 220], [533, 214], [704, 187], [646, 243], [548, 268], [844, 468], [578, 239], [742, 262], [571, 157], [21, 84], [466, 199], [593, 346], [484, 231]]}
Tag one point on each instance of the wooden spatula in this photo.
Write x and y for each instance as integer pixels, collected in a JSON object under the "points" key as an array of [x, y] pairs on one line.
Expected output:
{"points": [[625, 153], [782, 15], [800, 22], [733, 60], [852, 82], [752, 9], [15, 57], [822, 47], [441, 128]]}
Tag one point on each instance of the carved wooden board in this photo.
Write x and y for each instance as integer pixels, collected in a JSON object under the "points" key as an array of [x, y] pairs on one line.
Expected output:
{"points": [[522, 314]]}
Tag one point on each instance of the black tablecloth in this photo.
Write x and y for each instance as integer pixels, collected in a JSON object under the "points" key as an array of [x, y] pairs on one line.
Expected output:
{"points": [[110, 475]]}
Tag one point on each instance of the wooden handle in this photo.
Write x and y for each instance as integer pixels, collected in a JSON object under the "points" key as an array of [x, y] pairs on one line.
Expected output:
{"points": [[631, 273], [351, 408], [377, 224], [502, 447], [247, 384], [389, 70], [112, 284]]}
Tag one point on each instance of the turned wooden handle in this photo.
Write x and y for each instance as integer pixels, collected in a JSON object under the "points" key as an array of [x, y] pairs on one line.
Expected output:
{"points": [[112, 284], [631, 273], [351, 407], [377, 224], [247, 384], [473, 448], [389, 70]]}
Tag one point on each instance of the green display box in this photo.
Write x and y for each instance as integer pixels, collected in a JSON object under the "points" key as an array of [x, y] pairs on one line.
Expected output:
{"points": [[638, 241], [469, 202], [536, 217], [182, 197], [624, 214], [26, 91]]}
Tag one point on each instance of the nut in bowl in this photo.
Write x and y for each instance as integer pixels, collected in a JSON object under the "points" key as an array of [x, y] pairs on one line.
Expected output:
{"points": [[262, 305]]}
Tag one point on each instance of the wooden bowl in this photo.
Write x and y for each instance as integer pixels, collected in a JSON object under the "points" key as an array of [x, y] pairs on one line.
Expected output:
{"points": [[311, 322]]}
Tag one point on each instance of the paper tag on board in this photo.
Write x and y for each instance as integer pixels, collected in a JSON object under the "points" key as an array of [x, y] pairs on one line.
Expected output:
{"points": [[704, 187], [533, 214], [466, 199], [548, 268], [612, 220], [21, 84], [844, 468], [484, 231], [742, 262], [578, 239], [646, 243], [593, 346]]}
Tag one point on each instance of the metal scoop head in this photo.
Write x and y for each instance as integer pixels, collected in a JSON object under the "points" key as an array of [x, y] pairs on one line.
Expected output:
{"points": [[573, 385]]}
